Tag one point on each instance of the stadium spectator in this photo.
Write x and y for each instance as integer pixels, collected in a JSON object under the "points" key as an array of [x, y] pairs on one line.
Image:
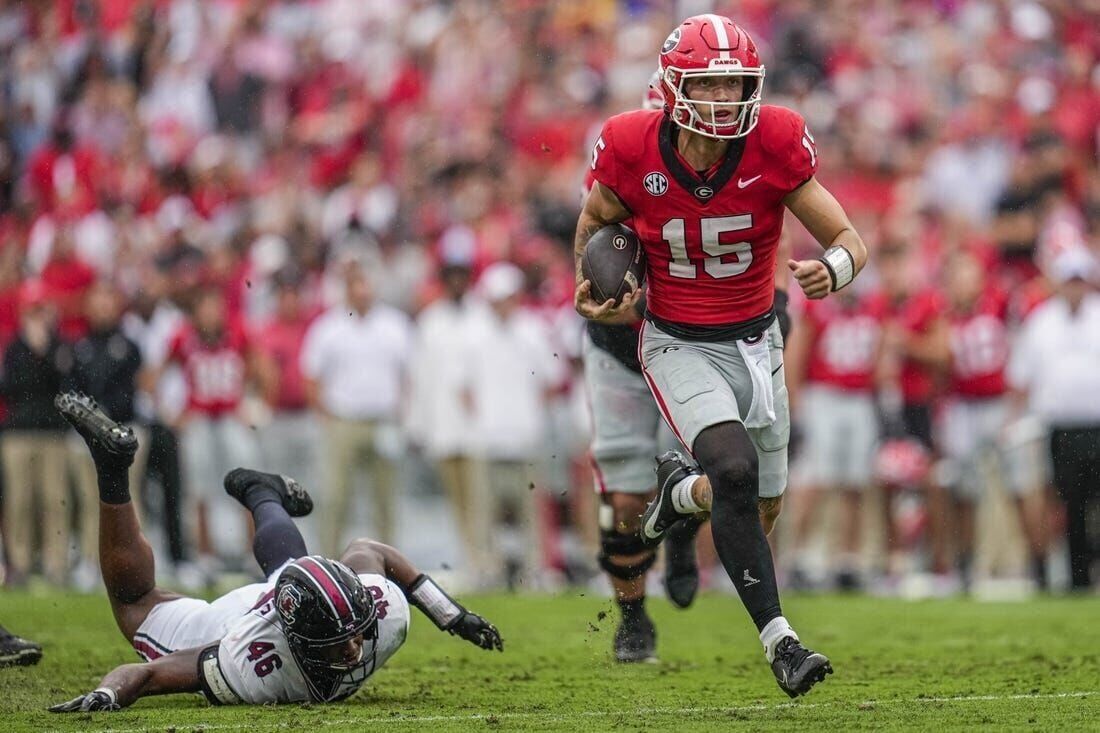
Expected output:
{"points": [[35, 458], [511, 375], [105, 367], [439, 411], [355, 359], [1053, 368]]}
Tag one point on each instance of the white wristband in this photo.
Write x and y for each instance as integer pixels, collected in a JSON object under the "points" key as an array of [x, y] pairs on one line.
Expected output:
{"points": [[435, 603], [109, 693], [841, 266]]}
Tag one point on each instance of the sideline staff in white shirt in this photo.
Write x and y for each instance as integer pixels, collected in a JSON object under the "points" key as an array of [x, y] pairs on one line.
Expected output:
{"points": [[354, 361], [1055, 364]]}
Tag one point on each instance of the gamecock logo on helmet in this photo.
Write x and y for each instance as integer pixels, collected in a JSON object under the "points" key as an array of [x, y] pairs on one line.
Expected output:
{"points": [[288, 602]]}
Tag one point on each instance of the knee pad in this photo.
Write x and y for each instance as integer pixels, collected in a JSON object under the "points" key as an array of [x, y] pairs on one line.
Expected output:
{"points": [[616, 545]]}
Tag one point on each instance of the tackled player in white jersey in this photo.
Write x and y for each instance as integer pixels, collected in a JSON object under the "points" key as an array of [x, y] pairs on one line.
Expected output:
{"points": [[314, 632]]}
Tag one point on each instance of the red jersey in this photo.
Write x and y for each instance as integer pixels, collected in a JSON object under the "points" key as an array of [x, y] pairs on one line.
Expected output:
{"points": [[845, 342], [915, 314], [979, 347], [282, 342], [215, 373], [710, 240]]}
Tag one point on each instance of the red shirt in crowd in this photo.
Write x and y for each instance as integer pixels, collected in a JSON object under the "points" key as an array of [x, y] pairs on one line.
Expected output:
{"points": [[915, 315], [845, 342], [214, 372], [66, 281], [979, 346], [281, 341]]}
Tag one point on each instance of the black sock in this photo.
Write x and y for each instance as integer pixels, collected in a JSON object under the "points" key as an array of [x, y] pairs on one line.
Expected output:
{"points": [[114, 483], [728, 457], [1039, 571], [258, 494], [632, 611], [277, 538]]}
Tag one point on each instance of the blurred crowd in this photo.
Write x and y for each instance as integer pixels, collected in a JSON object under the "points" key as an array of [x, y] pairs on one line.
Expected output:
{"points": [[333, 239]]}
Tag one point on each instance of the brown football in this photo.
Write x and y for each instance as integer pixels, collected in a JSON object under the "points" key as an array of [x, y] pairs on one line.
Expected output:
{"points": [[613, 262]]}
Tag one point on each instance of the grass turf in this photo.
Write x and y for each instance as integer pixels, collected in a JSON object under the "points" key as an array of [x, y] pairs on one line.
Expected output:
{"points": [[932, 665]]}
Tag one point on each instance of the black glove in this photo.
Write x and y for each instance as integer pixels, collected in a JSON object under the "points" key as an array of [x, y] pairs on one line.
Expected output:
{"points": [[477, 631], [781, 314], [95, 700]]}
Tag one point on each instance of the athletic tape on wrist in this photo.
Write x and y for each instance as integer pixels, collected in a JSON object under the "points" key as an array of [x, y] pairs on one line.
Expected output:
{"points": [[434, 602], [109, 693], [841, 266]]}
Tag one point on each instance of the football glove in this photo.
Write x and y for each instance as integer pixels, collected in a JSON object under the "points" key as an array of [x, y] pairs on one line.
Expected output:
{"points": [[101, 699], [478, 631]]}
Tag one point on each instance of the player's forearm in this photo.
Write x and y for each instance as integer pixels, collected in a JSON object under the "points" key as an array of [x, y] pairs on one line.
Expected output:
{"points": [[587, 225], [176, 672], [130, 682], [849, 239]]}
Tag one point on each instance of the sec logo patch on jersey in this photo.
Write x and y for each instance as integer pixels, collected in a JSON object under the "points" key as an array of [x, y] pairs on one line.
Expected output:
{"points": [[656, 183]]}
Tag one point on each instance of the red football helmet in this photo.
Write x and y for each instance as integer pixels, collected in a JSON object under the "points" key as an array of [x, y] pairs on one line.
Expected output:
{"points": [[711, 45], [654, 98]]}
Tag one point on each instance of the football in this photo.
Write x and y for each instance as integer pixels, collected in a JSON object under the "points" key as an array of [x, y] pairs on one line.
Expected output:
{"points": [[613, 262]]}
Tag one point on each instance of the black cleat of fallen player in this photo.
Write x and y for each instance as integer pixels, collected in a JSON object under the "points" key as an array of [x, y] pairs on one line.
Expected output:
{"points": [[111, 444], [681, 569], [636, 641], [295, 499], [796, 668], [16, 651], [661, 514]]}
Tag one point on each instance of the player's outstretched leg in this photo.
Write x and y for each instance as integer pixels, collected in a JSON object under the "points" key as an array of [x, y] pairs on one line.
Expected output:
{"points": [[272, 500], [125, 557], [729, 459], [15, 650]]}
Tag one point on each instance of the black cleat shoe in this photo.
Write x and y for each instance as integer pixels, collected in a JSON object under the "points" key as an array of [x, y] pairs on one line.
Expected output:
{"points": [[797, 668], [660, 514], [681, 570], [111, 443], [17, 651], [295, 499], [636, 641]]}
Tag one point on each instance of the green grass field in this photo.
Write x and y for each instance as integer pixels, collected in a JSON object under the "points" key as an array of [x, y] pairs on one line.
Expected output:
{"points": [[929, 665]]}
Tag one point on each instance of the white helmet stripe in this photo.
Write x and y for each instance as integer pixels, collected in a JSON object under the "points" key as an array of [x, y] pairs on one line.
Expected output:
{"points": [[720, 32]]}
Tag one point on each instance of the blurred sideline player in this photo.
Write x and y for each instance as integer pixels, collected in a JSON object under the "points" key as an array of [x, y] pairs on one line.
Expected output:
{"points": [[830, 366], [706, 183], [913, 358], [627, 433], [974, 425], [314, 632]]}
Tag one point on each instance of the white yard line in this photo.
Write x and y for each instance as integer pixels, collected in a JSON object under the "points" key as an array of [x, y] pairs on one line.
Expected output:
{"points": [[587, 714]]}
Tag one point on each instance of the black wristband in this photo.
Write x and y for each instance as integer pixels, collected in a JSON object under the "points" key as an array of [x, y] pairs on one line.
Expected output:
{"points": [[434, 602]]}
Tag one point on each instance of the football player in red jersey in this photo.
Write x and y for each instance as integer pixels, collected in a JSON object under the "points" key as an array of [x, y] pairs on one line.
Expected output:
{"points": [[627, 432], [830, 368], [706, 182], [975, 420]]}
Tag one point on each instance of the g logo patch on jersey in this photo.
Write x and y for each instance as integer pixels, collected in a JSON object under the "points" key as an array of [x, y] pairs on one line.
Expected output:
{"points": [[290, 598], [704, 192], [655, 183], [671, 41]]}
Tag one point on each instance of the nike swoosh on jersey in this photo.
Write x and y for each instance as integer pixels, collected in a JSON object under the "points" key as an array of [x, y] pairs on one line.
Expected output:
{"points": [[742, 182]]}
